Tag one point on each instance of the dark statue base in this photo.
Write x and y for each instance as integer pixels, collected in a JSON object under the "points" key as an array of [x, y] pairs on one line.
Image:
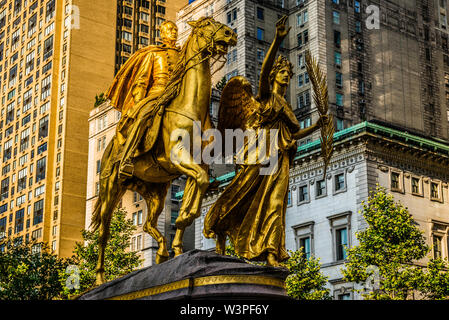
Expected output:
{"points": [[196, 275]]}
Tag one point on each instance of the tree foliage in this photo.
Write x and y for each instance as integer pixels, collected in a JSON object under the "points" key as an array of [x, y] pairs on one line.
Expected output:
{"points": [[387, 251], [305, 281], [118, 259], [29, 274], [221, 84], [99, 99]]}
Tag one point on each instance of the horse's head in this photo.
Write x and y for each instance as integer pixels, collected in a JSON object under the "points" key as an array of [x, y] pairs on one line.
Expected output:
{"points": [[213, 35]]}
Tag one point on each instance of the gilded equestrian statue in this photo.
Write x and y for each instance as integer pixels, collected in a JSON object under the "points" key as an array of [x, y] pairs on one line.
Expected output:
{"points": [[184, 102]]}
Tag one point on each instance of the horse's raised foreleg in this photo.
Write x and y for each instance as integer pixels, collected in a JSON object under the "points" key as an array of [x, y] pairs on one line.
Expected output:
{"points": [[154, 195], [110, 194]]}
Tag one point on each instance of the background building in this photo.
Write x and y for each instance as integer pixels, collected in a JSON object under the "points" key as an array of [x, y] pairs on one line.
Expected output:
{"points": [[45, 100]]}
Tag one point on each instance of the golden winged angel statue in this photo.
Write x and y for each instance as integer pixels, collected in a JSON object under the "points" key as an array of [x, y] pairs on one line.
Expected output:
{"points": [[251, 210]]}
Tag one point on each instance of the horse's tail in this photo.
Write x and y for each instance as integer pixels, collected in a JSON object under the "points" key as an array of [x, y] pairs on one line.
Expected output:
{"points": [[96, 215], [95, 221]]}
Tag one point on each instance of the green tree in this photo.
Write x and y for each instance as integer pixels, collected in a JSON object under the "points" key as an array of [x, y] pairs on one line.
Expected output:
{"points": [[387, 250], [118, 259], [99, 99], [30, 271], [305, 281], [221, 84]]}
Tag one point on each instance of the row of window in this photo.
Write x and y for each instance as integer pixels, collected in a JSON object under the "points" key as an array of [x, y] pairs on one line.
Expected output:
{"points": [[340, 236], [17, 222], [416, 187], [320, 189]]}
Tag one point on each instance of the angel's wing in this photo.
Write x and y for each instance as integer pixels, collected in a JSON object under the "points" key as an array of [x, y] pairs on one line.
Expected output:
{"points": [[237, 105]]}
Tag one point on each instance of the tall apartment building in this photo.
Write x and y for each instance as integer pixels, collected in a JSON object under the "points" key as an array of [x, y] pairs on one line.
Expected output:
{"points": [[389, 94], [47, 51]]}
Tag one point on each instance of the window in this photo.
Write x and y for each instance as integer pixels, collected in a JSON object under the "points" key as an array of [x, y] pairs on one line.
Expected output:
{"points": [[340, 230], [337, 38], [395, 181], [38, 212], [127, 36], [36, 234], [344, 296], [40, 169], [43, 127], [339, 180], [305, 123], [289, 198], [260, 34], [435, 191], [336, 17], [260, 13], [300, 80], [231, 16], [303, 99], [19, 221], [4, 189], [304, 244], [320, 188], [48, 48], [337, 58], [437, 251], [301, 60], [174, 216], [416, 186], [303, 195], [2, 228], [304, 238], [358, 26], [260, 54], [338, 79], [357, 6], [139, 217], [339, 99]]}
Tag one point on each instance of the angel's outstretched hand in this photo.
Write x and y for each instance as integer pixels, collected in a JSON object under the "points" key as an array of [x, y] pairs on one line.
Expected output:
{"points": [[281, 28]]}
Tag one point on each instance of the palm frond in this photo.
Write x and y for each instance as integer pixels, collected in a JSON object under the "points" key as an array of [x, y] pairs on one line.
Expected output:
{"points": [[321, 98]]}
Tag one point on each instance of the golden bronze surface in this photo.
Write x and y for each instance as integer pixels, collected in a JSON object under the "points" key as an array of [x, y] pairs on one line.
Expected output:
{"points": [[139, 156], [251, 210], [202, 281]]}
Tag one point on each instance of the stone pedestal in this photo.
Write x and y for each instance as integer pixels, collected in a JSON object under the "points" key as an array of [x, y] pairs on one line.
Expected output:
{"points": [[196, 275]]}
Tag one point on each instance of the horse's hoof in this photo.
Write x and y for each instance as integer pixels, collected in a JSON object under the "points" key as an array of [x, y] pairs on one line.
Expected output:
{"points": [[178, 251], [100, 279], [161, 258]]}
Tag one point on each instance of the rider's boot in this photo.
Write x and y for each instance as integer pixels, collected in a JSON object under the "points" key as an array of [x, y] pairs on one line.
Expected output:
{"points": [[126, 170]]}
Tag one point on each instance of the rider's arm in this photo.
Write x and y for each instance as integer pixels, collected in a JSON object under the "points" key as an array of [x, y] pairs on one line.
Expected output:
{"points": [[142, 79]]}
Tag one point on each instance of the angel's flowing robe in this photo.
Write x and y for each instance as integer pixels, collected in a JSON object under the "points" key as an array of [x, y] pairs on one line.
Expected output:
{"points": [[251, 210]]}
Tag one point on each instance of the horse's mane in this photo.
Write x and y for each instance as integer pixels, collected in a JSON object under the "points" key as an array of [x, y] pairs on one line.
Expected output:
{"points": [[174, 83]]}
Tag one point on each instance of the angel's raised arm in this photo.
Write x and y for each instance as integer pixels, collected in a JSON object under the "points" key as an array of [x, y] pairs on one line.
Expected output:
{"points": [[264, 82]]}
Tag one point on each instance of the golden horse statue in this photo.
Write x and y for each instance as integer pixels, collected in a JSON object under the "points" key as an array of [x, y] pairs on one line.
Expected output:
{"points": [[186, 100]]}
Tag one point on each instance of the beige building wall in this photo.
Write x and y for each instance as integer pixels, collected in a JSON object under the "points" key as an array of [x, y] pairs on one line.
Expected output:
{"points": [[45, 109]]}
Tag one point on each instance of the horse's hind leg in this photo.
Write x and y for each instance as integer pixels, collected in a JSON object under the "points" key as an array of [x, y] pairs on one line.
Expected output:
{"points": [[154, 195], [190, 210], [110, 194]]}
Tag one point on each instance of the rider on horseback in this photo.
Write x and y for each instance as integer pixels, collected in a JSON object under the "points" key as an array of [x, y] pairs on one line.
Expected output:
{"points": [[143, 77]]}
